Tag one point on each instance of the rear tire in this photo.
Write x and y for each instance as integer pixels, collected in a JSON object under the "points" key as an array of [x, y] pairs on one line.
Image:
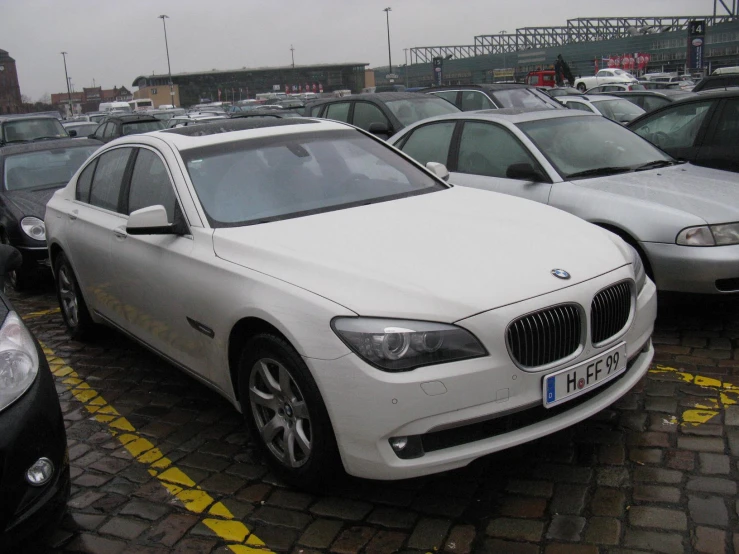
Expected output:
{"points": [[71, 302], [285, 413], [581, 87]]}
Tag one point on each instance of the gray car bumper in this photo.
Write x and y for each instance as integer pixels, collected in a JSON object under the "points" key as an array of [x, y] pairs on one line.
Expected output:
{"points": [[704, 270]]}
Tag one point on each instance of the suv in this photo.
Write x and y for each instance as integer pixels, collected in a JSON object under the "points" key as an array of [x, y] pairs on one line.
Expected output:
{"points": [[126, 124], [28, 128], [717, 81], [494, 96]]}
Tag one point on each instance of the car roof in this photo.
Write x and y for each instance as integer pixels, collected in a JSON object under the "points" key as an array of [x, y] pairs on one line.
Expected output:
{"points": [[729, 92], [483, 86], [381, 96], [595, 97], [127, 118], [512, 115], [19, 117], [41, 145]]}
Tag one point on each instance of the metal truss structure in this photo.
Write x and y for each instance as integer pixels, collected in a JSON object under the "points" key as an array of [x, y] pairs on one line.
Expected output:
{"points": [[579, 30]]}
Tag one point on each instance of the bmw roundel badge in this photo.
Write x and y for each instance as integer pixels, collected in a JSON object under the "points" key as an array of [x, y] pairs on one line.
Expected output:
{"points": [[560, 274]]}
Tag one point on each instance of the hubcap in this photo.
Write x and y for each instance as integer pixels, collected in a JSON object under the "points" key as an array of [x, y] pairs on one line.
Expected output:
{"points": [[280, 412], [68, 296]]}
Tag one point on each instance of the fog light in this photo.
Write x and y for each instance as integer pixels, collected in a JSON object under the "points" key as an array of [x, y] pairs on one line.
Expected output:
{"points": [[407, 448], [40, 472], [399, 443]]}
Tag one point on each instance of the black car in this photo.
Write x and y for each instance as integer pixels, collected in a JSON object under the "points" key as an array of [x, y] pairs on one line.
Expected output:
{"points": [[650, 100], [383, 113], [34, 463], [702, 129], [30, 173], [717, 82], [117, 126], [27, 128], [494, 96]]}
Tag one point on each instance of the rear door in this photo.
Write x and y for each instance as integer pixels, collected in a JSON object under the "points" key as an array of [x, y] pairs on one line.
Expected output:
{"points": [[719, 147]]}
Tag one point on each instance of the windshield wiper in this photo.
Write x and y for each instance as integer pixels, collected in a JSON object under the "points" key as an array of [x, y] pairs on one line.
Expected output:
{"points": [[45, 138], [599, 172], [655, 164]]}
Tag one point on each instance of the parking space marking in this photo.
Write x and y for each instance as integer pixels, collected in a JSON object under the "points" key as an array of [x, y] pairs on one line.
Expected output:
{"points": [[726, 394], [219, 518], [34, 315]]}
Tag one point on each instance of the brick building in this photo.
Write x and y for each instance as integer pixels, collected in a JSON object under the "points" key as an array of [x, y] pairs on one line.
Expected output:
{"points": [[10, 92], [89, 99]]}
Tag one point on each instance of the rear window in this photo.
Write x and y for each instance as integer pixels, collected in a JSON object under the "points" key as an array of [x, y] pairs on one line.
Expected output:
{"points": [[523, 98]]}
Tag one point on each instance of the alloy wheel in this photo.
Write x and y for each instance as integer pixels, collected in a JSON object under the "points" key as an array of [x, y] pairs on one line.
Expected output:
{"points": [[280, 412], [68, 296]]}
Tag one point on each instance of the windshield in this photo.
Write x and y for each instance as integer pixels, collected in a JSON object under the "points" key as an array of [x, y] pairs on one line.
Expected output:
{"points": [[575, 145], [43, 169], [620, 110], [523, 98], [259, 180], [32, 129], [83, 129], [410, 110], [138, 127]]}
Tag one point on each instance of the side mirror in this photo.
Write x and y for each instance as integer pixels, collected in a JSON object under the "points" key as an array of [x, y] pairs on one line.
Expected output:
{"points": [[92, 136], [149, 221], [72, 133], [379, 128], [524, 172], [439, 170]]}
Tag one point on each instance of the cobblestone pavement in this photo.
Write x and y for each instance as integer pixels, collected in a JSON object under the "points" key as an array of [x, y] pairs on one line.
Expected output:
{"points": [[656, 473]]}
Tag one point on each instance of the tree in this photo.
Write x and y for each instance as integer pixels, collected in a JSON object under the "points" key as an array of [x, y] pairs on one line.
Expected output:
{"points": [[25, 99], [45, 98]]}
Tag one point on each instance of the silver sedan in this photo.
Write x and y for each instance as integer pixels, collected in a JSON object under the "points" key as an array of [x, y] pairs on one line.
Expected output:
{"points": [[683, 219]]}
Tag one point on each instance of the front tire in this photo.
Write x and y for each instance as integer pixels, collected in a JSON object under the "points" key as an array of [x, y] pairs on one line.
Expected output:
{"points": [[72, 304], [286, 414]]}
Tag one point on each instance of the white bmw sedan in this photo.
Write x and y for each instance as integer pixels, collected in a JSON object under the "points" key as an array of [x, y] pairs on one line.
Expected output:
{"points": [[354, 307]]}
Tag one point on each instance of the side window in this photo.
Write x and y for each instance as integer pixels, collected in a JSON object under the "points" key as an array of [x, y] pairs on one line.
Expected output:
{"points": [[430, 143], [109, 130], [448, 95], [474, 100], [579, 106], [338, 112], [727, 129], [533, 80], [315, 110], [365, 114], [489, 150], [100, 130], [106, 184], [675, 127], [150, 184], [84, 182]]}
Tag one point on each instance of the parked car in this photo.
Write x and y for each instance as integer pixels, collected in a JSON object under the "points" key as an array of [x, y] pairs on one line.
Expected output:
{"points": [[80, 128], [616, 87], [29, 174], [29, 128], [116, 126], [184, 121], [561, 91], [490, 97], [598, 170], [543, 78], [97, 117], [603, 77], [391, 368], [167, 113], [35, 479], [702, 129], [618, 109], [721, 81], [650, 100], [682, 82], [382, 113], [657, 85]]}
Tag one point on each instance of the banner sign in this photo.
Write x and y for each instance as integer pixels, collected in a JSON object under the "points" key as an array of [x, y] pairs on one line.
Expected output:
{"points": [[696, 43], [438, 73]]}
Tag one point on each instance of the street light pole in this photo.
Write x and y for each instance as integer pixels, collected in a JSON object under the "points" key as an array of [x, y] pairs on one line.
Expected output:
{"points": [[292, 53], [169, 67], [406, 67], [69, 91], [389, 56], [504, 49]]}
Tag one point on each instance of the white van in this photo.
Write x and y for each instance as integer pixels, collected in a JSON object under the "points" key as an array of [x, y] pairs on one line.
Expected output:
{"points": [[117, 106], [141, 104]]}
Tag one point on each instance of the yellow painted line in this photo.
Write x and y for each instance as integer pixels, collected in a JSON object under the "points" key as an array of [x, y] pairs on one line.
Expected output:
{"points": [[219, 518], [709, 407], [34, 315]]}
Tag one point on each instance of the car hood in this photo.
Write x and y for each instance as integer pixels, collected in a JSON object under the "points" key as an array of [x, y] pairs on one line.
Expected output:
{"points": [[442, 256], [31, 202], [710, 194]]}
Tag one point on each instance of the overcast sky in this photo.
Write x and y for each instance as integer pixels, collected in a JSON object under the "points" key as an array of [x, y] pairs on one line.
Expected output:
{"points": [[114, 42]]}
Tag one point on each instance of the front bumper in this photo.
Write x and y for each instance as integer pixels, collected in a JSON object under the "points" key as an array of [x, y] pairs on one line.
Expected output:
{"points": [[32, 428], [367, 406], [703, 270], [34, 257]]}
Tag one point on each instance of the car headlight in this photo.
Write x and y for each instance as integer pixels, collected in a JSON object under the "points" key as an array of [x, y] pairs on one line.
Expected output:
{"points": [[640, 274], [18, 360], [34, 228], [722, 234], [402, 345]]}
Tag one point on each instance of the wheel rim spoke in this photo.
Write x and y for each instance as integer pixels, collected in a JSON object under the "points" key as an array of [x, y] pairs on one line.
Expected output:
{"points": [[272, 428], [267, 378], [263, 399], [285, 384]]}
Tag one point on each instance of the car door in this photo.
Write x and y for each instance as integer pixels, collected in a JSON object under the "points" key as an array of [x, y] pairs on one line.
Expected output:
{"points": [[483, 156], [677, 129], [719, 147], [93, 220]]}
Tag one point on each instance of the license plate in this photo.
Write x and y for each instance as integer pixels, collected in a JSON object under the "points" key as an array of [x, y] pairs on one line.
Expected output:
{"points": [[573, 381]]}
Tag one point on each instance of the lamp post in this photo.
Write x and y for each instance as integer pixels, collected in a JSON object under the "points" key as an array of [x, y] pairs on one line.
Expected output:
{"points": [[504, 32], [169, 67], [69, 91], [389, 56], [292, 53], [406, 67]]}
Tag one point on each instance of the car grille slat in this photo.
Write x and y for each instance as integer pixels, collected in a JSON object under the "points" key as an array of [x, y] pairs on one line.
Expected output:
{"points": [[545, 336], [610, 311]]}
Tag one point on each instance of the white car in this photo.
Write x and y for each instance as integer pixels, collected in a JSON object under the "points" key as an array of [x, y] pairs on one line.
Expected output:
{"points": [[350, 303], [617, 109], [603, 77]]}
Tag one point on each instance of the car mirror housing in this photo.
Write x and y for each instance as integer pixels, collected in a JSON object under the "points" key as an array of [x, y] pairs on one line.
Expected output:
{"points": [[524, 172], [149, 221], [72, 133], [379, 128], [439, 170]]}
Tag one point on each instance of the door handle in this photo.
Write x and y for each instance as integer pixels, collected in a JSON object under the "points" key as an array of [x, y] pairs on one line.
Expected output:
{"points": [[73, 215], [120, 233]]}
